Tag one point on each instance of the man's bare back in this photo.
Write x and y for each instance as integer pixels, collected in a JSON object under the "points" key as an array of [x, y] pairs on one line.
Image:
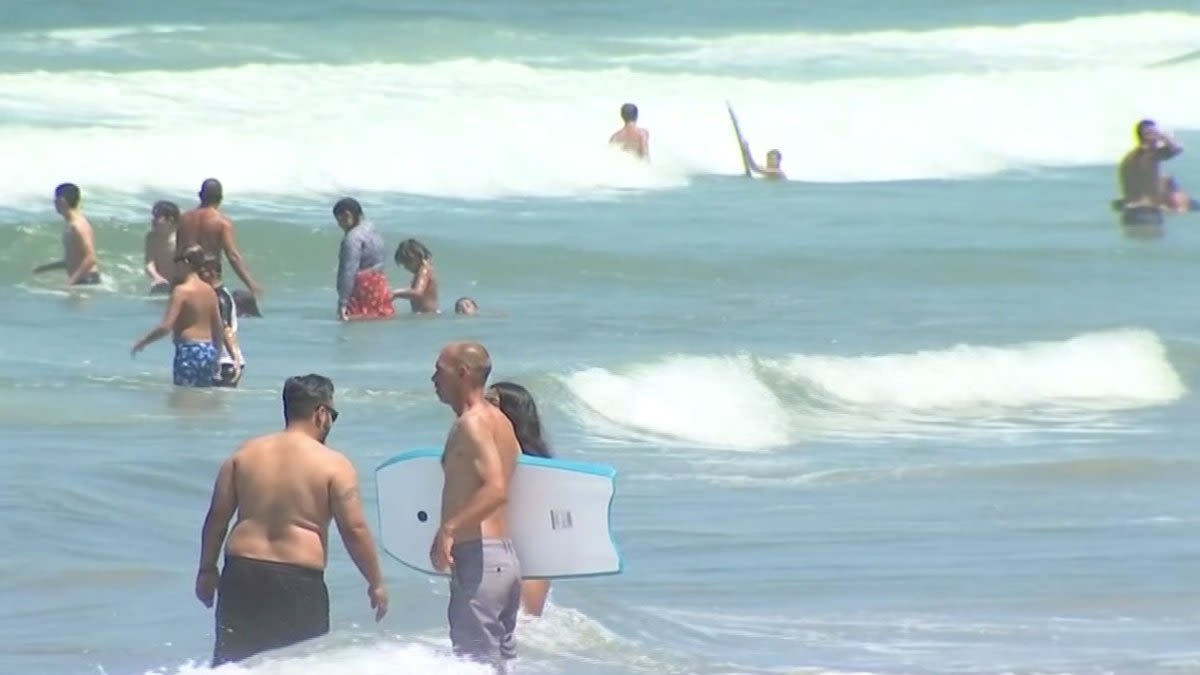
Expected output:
{"points": [[632, 139], [289, 488], [460, 461], [207, 227], [197, 306]]}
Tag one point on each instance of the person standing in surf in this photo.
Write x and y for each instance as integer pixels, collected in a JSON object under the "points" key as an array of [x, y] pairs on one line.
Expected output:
{"points": [[207, 227], [422, 291], [518, 406], [772, 170], [285, 488], [473, 542], [362, 286], [78, 240], [630, 137], [193, 318], [1141, 200], [158, 249]]}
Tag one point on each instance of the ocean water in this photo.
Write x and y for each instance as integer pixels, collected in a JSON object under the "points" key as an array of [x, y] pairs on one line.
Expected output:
{"points": [[923, 410]]}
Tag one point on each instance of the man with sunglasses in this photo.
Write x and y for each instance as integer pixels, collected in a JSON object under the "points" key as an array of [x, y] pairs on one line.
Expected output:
{"points": [[285, 487]]}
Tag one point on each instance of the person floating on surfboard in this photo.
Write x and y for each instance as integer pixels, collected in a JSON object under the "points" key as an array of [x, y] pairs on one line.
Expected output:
{"points": [[631, 137], [1142, 187]]}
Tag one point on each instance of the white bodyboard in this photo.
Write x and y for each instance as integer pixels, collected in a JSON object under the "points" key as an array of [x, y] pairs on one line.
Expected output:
{"points": [[559, 514]]}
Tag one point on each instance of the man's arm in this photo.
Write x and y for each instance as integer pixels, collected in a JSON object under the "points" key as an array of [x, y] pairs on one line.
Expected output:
{"points": [[88, 244], [349, 258], [493, 481], [174, 306], [220, 511], [56, 265], [148, 258], [235, 257], [346, 505]]}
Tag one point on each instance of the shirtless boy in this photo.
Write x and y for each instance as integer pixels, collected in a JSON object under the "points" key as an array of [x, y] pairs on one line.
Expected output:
{"points": [[207, 226], [631, 137], [285, 488], [78, 240], [159, 247], [193, 318], [478, 462]]}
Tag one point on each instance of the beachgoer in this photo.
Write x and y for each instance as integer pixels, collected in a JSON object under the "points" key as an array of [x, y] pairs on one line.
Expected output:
{"points": [[518, 406], [772, 170], [1141, 186], [213, 231], [78, 240], [466, 306], [422, 293], [1175, 199], [245, 303], [158, 250], [363, 291], [473, 542], [285, 488], [630, 136], [231, 365], [193, 318]]}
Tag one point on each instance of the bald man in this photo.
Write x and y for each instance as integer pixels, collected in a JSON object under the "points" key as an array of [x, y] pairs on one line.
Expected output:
{"points": [[207, 226], [473, 544]]}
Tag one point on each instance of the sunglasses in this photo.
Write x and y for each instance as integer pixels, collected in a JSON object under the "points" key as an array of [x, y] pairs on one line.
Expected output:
{"points": [[333, 413]]}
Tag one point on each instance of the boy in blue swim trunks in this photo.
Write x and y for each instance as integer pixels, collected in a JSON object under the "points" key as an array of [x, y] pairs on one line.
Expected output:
{"points": [[193, 318]]}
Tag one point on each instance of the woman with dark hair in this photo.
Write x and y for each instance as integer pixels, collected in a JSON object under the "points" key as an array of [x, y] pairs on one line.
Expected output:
{"points": [[518, 406]]}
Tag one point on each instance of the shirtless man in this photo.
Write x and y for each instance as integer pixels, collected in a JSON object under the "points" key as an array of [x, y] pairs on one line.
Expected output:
{"points": [[630, 137], [159, 247], [207, 226], [193, 318], [78, 240], [285, 488], [478, 462], [1141, 185], [772, 170]]}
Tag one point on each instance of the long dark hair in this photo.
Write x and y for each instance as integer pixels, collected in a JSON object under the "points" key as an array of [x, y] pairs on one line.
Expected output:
{"points": [[518, 406]]}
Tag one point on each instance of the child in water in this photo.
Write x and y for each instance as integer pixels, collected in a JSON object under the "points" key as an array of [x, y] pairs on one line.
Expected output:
{"points": [[422, 293], [518, 406]]}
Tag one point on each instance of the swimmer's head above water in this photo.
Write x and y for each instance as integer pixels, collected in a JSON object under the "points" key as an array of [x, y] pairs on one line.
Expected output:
{"points": [[211, 192], [629, 113], [466, 306], [66, 197], [164, 214], [247, 304], [1146, 132], [411, 253], [348, 213], [774, 159]]}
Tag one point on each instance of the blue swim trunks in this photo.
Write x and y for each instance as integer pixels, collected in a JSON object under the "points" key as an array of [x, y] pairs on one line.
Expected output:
{"points": [[195, 363]]}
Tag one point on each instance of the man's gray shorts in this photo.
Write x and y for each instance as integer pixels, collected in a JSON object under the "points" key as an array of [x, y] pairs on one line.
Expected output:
{"points": [[485, 596]]}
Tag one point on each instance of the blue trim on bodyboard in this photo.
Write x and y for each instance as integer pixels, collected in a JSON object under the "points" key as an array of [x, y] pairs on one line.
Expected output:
{"points": [[556, 463]]}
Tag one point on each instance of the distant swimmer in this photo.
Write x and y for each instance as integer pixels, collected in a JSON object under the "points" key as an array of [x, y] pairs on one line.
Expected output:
{"points": [[362, 287], [772, 170], [1141, 185], [285, 488], [78, 240], [466, 306], [193, 318], [631, 137], [159, 247], [422, 293], [207, 226], [518, 406]]}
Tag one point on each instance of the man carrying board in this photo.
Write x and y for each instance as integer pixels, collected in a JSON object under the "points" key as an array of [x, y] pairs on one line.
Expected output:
{"points": [[473, 542], [285, 488]]}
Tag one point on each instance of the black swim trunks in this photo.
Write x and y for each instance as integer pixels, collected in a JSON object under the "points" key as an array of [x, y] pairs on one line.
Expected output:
{"points": [[1141, 215], [264, 605]]}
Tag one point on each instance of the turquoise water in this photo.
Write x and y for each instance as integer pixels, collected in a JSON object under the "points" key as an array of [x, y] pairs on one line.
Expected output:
{"points": [[924, 410]]}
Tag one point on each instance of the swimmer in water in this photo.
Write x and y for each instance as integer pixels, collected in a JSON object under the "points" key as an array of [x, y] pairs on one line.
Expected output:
{"points": [[772, 170], [631, 137], [422, 293], [1175, 200], [466, 306], [78, 240], [1139, 173], [158, 250]]}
